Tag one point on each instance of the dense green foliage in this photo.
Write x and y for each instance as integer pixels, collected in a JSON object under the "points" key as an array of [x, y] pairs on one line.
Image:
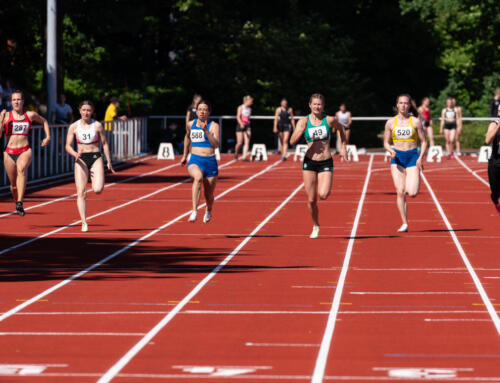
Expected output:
{"points": [[156, 54]]}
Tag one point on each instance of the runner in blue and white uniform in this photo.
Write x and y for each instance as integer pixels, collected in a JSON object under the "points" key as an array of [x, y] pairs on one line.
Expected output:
{"points": [[317, 169], [202, 136]]}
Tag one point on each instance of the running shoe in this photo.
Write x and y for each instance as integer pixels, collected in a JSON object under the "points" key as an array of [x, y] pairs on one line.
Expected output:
{"points": [[19, 209], [236, 157], [315, 232], [452, 156], [283, 158], [208, 216], [497, 206], [193, 216], [245, 160], [403, 228], [85, 227]]}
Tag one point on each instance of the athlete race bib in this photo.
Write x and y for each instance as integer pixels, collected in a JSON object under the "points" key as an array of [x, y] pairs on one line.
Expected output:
{"points": [[20, 128], [86, 138], [197, 136], [318, 133], [403, 132]]}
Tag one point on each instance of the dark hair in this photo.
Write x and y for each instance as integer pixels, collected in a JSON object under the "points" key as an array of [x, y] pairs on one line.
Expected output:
{"points": [[86, 102], [18, 91], [114, 99], [317, 95], [206, 103]]}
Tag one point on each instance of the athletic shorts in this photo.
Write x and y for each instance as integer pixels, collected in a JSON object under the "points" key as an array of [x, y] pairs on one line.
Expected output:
{"points": [[207, 165], [405, 158], [89, 158], [426, 123], [284, 128], [15, 153], [246, 128], [318, 166], [450, 125]]}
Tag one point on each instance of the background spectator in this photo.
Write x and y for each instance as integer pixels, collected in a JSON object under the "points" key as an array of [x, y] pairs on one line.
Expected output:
{"points": [[112, 113], [64, 112], [495, 103]]}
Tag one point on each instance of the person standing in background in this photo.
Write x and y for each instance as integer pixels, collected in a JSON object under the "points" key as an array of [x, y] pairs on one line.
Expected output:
{"points": [[64, 112], [112, 113], [344, 117], [495, 103], [424, 112], [283, 124], [243, 130], [459, 126], [191, 109]]}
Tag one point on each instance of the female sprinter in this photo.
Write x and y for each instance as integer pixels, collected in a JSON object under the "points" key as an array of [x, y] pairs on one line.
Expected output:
{"points": [[424, 112], [243, 131], [17, 155], [493, 138], [406, 162], [88, 159], [317, 169], [203, 137], [344, 117], [449, 124], [283, 125]]}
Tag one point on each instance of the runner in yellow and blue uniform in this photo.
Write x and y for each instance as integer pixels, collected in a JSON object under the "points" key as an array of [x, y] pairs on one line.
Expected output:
{"points": [[202, 136], [317, 169], [406, 161]]}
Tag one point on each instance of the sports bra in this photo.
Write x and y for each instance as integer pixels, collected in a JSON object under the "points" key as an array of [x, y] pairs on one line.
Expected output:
{"points": [[15, 127], [406, 133], [319, 132], [198, 136], [86, 136], [450, 114], [343, 117]]}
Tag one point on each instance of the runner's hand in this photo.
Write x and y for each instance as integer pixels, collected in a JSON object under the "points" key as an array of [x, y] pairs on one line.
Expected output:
{"points": [[110, 167], [46, 141], [420, 165], [343, 155], [183, 160]]}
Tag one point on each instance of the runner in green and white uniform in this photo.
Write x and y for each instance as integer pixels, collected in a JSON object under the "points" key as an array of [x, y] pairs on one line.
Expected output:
{"points": [[317, 169]]}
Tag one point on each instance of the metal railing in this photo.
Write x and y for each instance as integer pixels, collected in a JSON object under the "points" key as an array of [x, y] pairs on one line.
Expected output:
{"points": [[126, 139]]}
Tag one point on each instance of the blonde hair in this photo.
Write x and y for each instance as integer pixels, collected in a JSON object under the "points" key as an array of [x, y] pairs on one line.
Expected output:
{"points": [[318, 96], [247, 97]]}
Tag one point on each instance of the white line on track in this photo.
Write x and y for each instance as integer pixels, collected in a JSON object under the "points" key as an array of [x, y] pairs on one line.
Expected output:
{"points": [[101, 213], [486, 300], [18, 333], [319, 369], [472, 172], [125, 359], [413, 293], [456, 320], [90, 189], [123, 249], [253, 344]]}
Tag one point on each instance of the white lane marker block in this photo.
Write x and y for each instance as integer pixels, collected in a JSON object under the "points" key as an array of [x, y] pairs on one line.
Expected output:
{"points": [[300, 151], [436, 152], [352, 153], [259, 152], [26, 369], [484, 154], [217, 154], [220, 370], [166, 151]]}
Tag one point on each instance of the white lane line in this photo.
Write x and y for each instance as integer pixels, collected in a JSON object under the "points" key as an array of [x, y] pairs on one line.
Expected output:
{"points": [[42, 313], [100, 213], [253, 312], [90, 189], [254, 344], [413, 293], [319, 368], [313, 287], [125, 359], [472, 172], [36, 333], [456, 320], [123, 249], [486, 300]]}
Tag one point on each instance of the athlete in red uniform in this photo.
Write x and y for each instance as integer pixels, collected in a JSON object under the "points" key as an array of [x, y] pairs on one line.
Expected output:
{"points": [[17, 155]]}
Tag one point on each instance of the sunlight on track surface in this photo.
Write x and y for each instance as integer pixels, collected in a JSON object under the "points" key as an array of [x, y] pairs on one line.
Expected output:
{"points": [[145, 296]]}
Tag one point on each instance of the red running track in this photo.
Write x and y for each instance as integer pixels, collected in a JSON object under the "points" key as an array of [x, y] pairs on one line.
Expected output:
{"points": [[145, 296]]}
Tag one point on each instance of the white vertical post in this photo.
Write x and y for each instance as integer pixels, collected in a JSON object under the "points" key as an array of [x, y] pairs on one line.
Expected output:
{"points": [[51, 59]]}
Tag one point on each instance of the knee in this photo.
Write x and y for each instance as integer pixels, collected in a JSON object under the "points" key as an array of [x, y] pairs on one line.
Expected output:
{"points": [[400, 192], [197, 178], [412, 193], [98, 190], [311, 201], [81, 193], [323, 195]]}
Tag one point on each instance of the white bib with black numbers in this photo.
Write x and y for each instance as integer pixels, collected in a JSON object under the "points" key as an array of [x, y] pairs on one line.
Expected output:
{"points": [[197, 135], [20, 128], [403, 132]]}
